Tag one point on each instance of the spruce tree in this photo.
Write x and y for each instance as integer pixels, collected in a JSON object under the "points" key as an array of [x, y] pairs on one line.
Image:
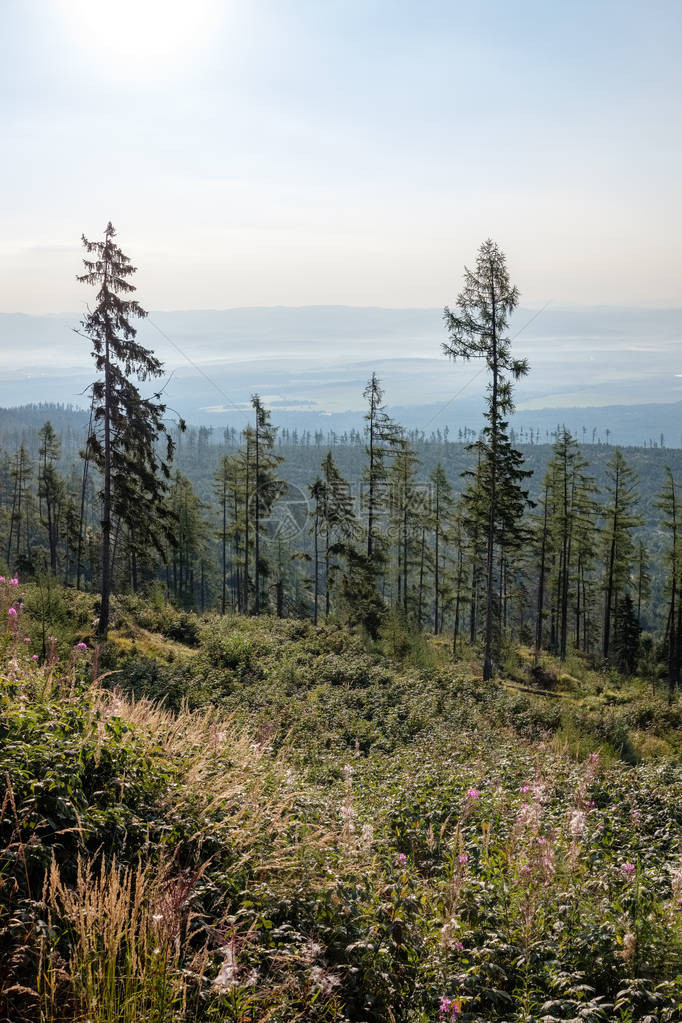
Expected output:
{"points": [[333, 527], [267, 488], [50, 488], [259, 489], [188, 541], [476, 329], [21, 474], [643, 579], [338, 523], [406, 515], [670, 503], [620, 519], [441, 511], [626, 639], [126, 425], [382, 435], [457, 537], [317, 494], [568, 512], [223, 482]]}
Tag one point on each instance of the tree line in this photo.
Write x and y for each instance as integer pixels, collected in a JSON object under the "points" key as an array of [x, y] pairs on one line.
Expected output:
{"points": [[488, 566]]}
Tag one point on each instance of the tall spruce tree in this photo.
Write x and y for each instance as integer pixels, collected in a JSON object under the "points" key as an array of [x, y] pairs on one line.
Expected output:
{"points": [[476, 330], [260, 487], [224, 479], [382, 436], [626, 637], [126, 425], [184, 563], [21, 473], [50, 488], [406, 517], [338, 523], [441, 512], [457, 537], [333, 527], [620, 519], [670, 503], [569, 511]]}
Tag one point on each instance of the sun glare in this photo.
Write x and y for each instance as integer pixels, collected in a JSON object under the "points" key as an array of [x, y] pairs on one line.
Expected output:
{"points": [[142, 38]]}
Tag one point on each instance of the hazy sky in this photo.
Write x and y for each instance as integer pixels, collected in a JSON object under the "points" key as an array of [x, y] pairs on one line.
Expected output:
{"points": [[291, 152]]}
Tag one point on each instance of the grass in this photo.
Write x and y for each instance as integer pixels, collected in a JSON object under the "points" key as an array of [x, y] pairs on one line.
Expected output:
{"points": [[278, 822]]}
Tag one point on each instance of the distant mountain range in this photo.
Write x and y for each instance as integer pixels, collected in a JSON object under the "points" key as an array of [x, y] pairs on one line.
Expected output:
{"points": [[596, 369]]}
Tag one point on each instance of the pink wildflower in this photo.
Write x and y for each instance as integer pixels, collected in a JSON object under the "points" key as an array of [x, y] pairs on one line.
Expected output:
{"points": [[34, 657], [473, 794], [450, 1008], [525, 788], [628, 869], [14, 582], [401, 859], [27, 639], [459, 947], [81, 647], [463, 858]]}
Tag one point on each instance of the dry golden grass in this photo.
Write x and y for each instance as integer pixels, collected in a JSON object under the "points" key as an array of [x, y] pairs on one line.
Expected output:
{"points": [[127, 933]]}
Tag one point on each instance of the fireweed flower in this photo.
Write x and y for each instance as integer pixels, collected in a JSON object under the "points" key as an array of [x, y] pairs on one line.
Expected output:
{"points": [[463, 858], [12, 612], [34, 657], [27, 639], [81, 647], [473, 794], [628, 869], [449, 1008], [14, 582], [401, 859]]}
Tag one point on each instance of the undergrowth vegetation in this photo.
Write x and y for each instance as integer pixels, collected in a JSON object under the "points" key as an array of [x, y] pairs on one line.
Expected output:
{"points": [[249, 820]]}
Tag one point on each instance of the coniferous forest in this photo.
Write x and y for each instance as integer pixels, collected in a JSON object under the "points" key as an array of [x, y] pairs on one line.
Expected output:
{"points": [[374, 727]]}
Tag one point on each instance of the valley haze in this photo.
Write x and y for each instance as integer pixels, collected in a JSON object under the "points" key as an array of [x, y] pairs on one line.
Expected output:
{"points": [[606, 372]]}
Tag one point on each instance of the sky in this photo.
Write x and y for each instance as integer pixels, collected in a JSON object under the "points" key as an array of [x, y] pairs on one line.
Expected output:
{"points": [[292, 152]]}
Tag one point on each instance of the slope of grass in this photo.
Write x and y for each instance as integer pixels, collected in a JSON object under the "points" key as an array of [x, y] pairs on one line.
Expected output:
{"points": [[270, 821]]}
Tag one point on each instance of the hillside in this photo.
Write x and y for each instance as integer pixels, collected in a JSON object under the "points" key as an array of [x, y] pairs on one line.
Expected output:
{"points": [[251, 819]]}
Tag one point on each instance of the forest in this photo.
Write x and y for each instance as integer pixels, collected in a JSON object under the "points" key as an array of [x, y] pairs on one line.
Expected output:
{"points": [[373, 727]]}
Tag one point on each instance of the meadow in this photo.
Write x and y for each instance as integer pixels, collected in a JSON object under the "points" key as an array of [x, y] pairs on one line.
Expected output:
{"points": [[248, 819]]}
